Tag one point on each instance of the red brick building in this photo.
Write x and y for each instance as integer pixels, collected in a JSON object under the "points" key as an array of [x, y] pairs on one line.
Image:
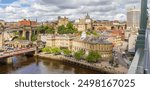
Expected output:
{"points": [[27, 23]]}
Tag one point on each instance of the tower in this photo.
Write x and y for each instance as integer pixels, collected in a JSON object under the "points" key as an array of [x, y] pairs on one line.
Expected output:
{"points": [[133, 18], [87, 16]]}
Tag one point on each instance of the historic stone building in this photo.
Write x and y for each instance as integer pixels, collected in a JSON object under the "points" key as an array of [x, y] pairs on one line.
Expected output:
{"points": [[27, 26], [62, 21], [103, 25], [75, 44], [19, 44], [27, 23], [12, 25], [96, 44], [84, 24], [62, 41]]}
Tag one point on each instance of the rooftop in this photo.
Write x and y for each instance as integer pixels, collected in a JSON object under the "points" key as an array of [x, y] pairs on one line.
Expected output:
{"points": [[95, 40]]}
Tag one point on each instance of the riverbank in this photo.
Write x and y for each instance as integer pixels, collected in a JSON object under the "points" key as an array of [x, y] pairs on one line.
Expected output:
{"points": [[103, 66]]}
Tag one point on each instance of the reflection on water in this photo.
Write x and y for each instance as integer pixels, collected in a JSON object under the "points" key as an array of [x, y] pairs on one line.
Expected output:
{"points": [[31, 65]]}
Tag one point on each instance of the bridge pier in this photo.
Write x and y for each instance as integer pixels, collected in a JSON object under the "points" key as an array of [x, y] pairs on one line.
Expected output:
{"points": [[9, 60], [36, 51]]}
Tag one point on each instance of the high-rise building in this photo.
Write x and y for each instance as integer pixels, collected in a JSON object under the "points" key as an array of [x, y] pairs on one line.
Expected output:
{"points": [[133, 18]]}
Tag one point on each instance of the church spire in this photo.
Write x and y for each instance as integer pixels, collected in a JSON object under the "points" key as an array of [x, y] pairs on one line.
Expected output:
{"points": [[87, 16]]}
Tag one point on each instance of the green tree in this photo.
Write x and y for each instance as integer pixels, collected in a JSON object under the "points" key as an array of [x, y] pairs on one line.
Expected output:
{"points": [[50, 31], [16, 33], [33, 37], [69, 29], [56, 50], [22, 38], [95, 33], [67, 52], [46, 49], [45, 29], [40, 29], [61, 29], [93, 56], [79, 55]]}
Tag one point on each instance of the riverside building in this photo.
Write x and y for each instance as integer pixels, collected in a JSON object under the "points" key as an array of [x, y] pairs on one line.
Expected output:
{"points": [[75, 44]]}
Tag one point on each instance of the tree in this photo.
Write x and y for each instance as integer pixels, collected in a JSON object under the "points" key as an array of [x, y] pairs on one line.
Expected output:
{"points": [[40, 29], [22, 38], [46, 49], [33, 37], [50, 31], [93, 56], [67, 52], [16, 33], [79, 55], [69, 29], [56, 50], [61, 29]]}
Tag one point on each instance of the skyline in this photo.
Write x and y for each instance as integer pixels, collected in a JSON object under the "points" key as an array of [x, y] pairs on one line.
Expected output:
{"points": [[49, 10]]}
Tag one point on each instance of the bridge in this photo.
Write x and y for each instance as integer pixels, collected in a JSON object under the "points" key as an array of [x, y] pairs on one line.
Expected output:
{"points": [[141, 62], [16, 52]]}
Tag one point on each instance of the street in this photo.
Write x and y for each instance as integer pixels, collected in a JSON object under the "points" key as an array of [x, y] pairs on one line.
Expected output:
{"points": [[118, 57]]}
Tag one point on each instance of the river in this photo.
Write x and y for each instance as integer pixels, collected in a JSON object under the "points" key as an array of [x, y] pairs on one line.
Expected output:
{"points": [[31, 65]]}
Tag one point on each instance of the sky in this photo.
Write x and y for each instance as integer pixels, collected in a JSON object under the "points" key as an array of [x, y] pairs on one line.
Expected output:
{"points": [[49, 10]]}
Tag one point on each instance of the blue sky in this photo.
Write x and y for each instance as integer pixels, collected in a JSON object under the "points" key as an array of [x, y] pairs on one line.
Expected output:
{"points": [[48, 10], [7, 1]]}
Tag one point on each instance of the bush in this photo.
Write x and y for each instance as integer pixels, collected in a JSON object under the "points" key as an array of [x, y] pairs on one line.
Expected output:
{"points": [[46, 49], [56, 50], [93, 57], [66, 52], [22, 38], [79, 55]]}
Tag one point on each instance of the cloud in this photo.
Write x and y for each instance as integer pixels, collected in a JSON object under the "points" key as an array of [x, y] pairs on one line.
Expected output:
{"points": [[45, 10]]}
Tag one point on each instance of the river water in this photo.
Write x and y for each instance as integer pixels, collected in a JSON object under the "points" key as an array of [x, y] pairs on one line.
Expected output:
{"points": [[30, 65]]}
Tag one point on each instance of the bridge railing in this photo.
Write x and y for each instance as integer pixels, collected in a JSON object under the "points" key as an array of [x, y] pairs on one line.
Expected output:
{"points": [[135, 61], [141, 62], [146, 63]]}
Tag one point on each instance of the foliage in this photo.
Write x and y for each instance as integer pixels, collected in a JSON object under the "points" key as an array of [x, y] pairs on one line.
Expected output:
{"points": [[56, 50], [45, 29], [92, 32], [33, 37], [61, 29], [69, 29], [93, 56], [88, 33], [40, 29], [67, 52], [53, 50], [16, 33], [79, 55], [46, 49], [22, 38], [95, 33], [50, 31]]}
